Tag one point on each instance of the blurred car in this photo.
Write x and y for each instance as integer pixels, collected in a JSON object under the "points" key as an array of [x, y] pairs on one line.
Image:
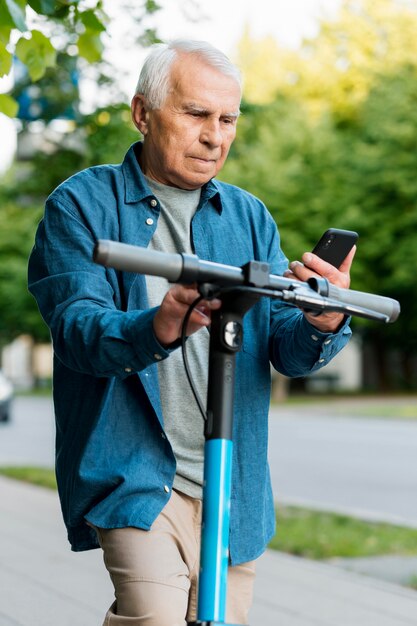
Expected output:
{"points": [[6, 395]]}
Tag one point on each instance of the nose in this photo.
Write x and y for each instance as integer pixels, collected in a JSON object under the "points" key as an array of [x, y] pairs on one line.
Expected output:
{"points": [[211, 133]]}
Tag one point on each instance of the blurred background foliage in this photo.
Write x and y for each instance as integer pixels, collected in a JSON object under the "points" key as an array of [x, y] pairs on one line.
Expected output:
{"points": [[327, 138], [330, 139]]}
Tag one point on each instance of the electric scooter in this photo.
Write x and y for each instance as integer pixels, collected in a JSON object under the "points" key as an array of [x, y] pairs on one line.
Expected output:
{"points": [[239, 289]]}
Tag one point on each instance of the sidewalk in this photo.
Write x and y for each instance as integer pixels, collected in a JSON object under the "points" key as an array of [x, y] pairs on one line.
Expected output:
{"points": [[42, 583]]}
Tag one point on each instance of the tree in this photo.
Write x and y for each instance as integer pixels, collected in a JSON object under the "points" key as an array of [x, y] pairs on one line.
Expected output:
{"points": [[336, 147], [382, 164], [335, 70], [38, 32], [18, 311], [295, 167], [77, 29], [265, 67], [103, 137]]}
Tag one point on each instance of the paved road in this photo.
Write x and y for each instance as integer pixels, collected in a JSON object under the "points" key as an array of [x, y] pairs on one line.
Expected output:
{"points": [[318, 454], [28, 439], [42, 583], [342, 463]]}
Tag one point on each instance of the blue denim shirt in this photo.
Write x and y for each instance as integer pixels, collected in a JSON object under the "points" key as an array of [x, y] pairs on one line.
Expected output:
{"points": [[115, 466]]}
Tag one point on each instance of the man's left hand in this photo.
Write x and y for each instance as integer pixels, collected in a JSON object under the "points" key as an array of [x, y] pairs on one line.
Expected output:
{"points": [[312, 265]]}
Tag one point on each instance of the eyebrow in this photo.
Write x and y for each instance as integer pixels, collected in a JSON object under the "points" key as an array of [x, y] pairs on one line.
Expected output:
{"points": [[192, 107]]}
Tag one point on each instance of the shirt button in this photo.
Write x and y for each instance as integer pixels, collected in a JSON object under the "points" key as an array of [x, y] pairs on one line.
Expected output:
{"points": [[321, 360], [153, 202], [314, 337], [157, 356], [326, 343], [166, 488], [149, 221], [128, 370]]}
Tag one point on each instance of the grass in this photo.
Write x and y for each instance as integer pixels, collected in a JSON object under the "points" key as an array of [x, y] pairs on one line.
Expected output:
{"points": [[406, 411], [413, 583], [402, 407], [394, 406], [319, 535], [42, 476], [43, 391], [302, 532]]}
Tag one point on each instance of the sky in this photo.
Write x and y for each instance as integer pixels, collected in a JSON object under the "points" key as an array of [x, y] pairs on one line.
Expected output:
{"points": [[221, 22]]}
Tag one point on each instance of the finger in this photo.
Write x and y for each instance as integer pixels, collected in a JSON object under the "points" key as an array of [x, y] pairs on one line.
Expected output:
{"points": [[322, 268], [328, 271], [184, 294], [289, 274], [187, 294], [347, 263], [212, 305], [205, 307], [302, 271], [200, 317]]}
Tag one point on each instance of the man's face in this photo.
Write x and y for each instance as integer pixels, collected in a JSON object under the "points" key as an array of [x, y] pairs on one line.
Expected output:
{"points": [[187, 140]]}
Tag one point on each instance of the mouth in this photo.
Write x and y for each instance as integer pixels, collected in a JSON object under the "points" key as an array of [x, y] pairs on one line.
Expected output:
{"points": [[203, 159]]}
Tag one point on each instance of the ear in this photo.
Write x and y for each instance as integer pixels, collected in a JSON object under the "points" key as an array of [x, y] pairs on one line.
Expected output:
{"points": [[140, 113]]}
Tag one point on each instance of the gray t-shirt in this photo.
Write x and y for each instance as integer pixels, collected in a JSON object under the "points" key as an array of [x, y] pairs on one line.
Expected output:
{"points": [[183, 422]]}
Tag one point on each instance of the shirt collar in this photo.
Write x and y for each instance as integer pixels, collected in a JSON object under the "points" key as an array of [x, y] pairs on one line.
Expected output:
{"points": [[212, 191], [137, 189]]}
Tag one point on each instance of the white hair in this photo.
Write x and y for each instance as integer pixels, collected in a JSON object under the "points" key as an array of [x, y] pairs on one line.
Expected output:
{"points": [[154, 79]]}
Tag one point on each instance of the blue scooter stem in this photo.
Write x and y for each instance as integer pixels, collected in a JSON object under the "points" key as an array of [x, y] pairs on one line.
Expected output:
{"points": [[226, 336], [215, 530]]}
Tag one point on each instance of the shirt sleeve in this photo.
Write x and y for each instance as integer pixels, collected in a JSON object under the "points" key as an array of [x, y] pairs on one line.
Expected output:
{"points": [[296, 347], [80, 301]]}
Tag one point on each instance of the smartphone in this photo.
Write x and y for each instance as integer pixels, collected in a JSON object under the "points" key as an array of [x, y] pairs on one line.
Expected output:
{"points": [[335, 244]]}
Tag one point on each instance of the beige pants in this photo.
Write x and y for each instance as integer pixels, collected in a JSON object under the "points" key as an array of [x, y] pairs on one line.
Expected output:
{"points": [[155, 572]]}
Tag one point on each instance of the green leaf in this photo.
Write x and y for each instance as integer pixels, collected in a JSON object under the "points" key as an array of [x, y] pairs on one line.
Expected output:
{"points": [[43, 7], [5, 33], [44, 47], [6, 23], [36, 5], [151, 6], [92, 22], [36, 53], [90, 46], [149, 37], [5, 60], [17, 14], [8, 105]]}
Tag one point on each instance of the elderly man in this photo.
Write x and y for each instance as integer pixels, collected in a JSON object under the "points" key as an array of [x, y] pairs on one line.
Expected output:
{"points": [[129, 456]]}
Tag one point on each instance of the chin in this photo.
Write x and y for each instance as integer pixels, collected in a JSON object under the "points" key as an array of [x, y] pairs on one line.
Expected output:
{"points": [[194, 182]]}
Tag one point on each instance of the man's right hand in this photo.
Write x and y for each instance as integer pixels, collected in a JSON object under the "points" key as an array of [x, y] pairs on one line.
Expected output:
{"points": [[168, 320]]}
